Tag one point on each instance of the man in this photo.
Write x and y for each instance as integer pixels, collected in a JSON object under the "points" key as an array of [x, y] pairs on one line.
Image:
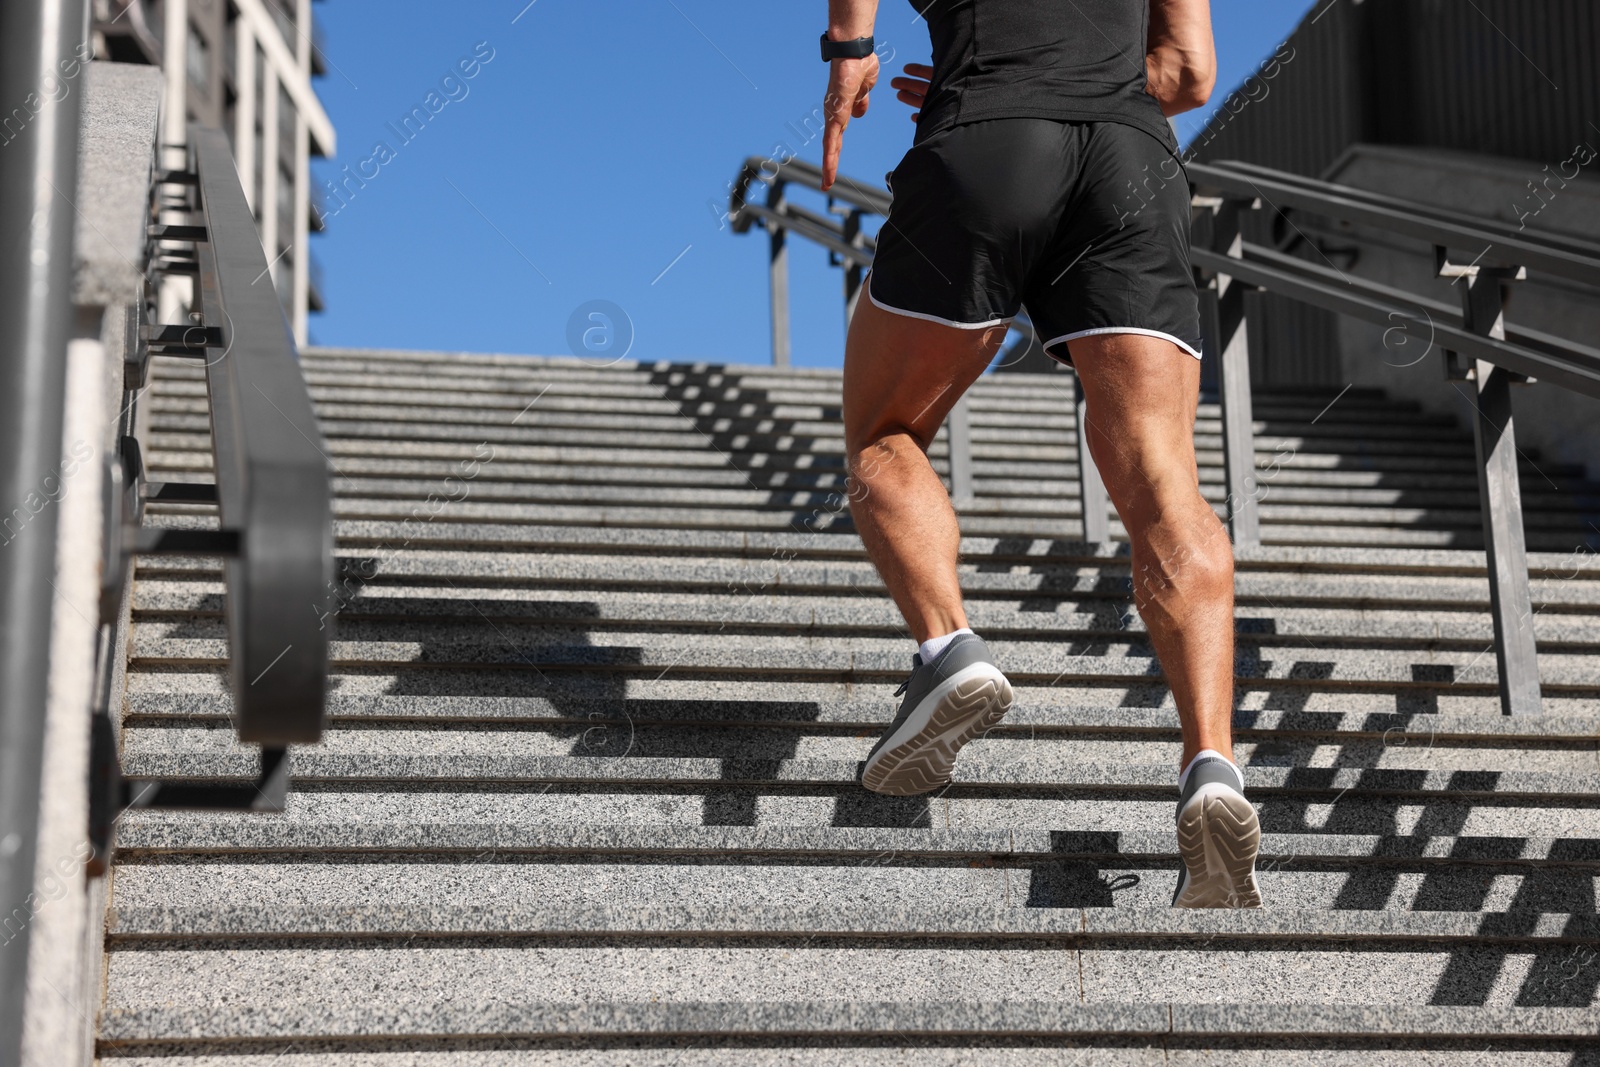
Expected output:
{"points": [[1043, 173]]}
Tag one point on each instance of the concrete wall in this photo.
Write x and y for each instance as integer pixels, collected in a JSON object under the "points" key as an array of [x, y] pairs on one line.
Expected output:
{"points": [[121, 107], [1559, 424]]}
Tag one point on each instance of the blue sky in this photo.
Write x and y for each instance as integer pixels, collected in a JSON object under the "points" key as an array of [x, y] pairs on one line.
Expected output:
{"points": [[587, 157]]}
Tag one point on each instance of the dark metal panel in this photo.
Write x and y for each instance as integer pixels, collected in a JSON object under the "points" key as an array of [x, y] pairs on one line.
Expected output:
{"points": [[1510, 78]]}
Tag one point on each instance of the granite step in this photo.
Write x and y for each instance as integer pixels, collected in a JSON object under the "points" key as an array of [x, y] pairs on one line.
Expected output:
{"points": [[777, 808], [491, 988], [502, 827], [576, 688], [777, 551], [1035, 711], [1288, 526], [554, 449], [511, 646], [497, 901], [618, 738], [457, 756], [737, 442], [1016, 1049], [532, 481], [860, 622], [815, 426]]}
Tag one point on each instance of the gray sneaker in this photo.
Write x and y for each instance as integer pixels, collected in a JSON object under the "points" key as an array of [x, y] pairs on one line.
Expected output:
{"points": [[1218, 837], [948, 702]]}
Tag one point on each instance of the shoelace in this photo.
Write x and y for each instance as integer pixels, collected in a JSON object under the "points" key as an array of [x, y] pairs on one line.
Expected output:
{"points": [[916, 661]]}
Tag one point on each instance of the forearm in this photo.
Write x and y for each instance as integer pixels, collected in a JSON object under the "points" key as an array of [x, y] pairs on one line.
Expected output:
{"points": [[1181, 60], [849, 19]]}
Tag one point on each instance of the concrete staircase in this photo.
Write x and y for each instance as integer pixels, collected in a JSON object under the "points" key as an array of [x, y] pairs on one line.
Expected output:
{"points": [[608, 655]]}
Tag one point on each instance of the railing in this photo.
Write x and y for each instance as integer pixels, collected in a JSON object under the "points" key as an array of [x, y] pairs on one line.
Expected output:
{"points": [[1475, 342], [271, 489]]}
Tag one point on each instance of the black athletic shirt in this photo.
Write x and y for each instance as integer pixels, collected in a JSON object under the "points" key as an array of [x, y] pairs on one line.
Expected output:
{"points": [[1076, 60]]}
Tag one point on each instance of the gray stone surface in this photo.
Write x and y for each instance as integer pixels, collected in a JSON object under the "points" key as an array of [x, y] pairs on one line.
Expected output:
{"points": [[595, 731], [121, 103]]}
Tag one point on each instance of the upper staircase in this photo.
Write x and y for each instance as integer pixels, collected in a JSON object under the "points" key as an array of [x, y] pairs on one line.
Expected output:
{"points": [[607, 655]]}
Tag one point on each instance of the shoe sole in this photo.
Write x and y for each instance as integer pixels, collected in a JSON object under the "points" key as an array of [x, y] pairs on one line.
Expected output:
{"points": [[1218, 838], [962, 707]]}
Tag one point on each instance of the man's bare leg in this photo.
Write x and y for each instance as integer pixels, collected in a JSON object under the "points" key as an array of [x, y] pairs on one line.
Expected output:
{"points": [[1142, 393], [901, 377]]}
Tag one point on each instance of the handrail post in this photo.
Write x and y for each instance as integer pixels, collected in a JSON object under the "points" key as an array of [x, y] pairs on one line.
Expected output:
{"points": [[778, 278], [1093, 500], [958, 434], [1226, 307], [852, 268], [1494, 442]]}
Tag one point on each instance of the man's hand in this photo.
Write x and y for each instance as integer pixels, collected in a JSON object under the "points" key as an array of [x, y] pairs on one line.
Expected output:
{"points": [[849, 82], [913, 88]]}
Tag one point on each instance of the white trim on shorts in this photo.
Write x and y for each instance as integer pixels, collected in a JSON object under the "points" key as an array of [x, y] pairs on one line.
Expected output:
{"points": [[932, 318], [1118, 329]]}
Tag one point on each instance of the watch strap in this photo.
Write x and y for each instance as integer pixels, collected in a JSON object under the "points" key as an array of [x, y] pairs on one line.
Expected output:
{"points": [[860, 48]]}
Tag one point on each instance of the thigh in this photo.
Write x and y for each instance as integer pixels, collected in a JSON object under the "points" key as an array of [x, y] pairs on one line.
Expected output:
{"points": [[902, 374], [1141, 395]]}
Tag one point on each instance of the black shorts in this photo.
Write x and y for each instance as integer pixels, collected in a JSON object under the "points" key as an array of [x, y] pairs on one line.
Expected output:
{"points": [[1084, 224]]}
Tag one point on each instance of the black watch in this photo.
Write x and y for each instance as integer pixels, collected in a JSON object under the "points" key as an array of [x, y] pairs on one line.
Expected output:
{"points": [[860, 48]]}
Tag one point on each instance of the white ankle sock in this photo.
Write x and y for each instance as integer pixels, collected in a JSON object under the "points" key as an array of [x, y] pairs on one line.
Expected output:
{"points": [[934, 645], [1183, 779]]}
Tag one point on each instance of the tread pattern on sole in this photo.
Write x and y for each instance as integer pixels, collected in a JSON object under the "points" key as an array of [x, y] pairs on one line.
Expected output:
{"points": [[926, 761], [1218, 837]]}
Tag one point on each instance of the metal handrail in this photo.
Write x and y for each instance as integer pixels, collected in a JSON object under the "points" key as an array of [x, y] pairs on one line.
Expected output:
{"points": [[271, 486], [272, 474], [858, 195], [1571, 258], [1476, 344]]}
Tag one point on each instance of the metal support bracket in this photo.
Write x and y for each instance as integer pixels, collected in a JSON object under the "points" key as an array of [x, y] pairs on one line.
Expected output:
{"points": [[958, 434], [269, 792], [175, 232], [1483, 303], [852, 269], [778, 278], [1226, 308], [1493, 300], [135, 352], [1094, 502], [122, 510]]}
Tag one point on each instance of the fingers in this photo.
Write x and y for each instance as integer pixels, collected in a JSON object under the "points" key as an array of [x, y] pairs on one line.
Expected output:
{"points": [[832, 141], [913, 90], [869, 79], [838, 105], [849, 84]]}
